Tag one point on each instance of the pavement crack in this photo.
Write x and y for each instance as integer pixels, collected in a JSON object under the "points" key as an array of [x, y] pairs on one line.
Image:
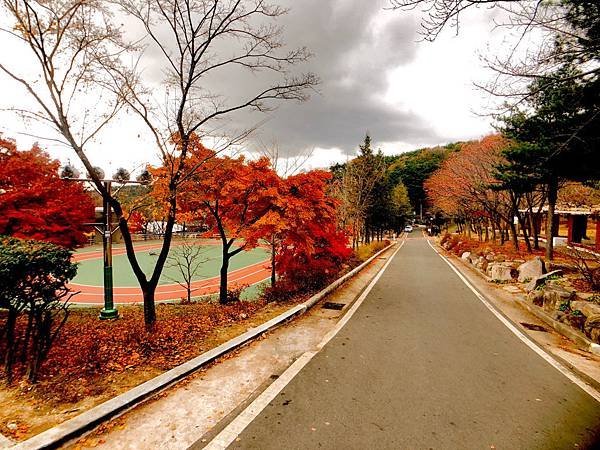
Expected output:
{"points": [[378, 426]]}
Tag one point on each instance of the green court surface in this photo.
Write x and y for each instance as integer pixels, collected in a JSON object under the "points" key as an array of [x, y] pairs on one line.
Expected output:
{"points": [[90, 271]]}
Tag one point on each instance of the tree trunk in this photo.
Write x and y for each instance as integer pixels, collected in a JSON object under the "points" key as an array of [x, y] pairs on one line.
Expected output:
{"points": [[223, 281], [9, 358], [148, 291], [525, 233], [552, 196], [273, 252], [514, 234]]}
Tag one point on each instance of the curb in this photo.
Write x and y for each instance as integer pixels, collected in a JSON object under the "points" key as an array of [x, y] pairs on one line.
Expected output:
{"points": [[72, 428], [579, 338]]}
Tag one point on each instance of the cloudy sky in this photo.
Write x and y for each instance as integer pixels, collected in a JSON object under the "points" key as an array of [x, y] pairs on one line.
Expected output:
{"points": [[376, 76]]}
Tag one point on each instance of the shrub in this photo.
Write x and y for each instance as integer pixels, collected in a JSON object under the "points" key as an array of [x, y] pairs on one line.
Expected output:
{"points": [[234, 294], [305, 269], [34, 275], [364, 252]]}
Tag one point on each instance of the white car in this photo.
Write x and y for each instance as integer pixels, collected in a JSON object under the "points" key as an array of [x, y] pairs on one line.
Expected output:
{"points": [[408, 228]]}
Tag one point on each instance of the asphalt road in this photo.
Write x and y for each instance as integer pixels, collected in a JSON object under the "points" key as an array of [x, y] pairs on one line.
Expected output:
{"points": [[424, 364]]}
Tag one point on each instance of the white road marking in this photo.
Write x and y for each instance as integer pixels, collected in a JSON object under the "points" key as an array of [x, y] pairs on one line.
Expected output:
{"points": [[235, 428], [522, 336]]}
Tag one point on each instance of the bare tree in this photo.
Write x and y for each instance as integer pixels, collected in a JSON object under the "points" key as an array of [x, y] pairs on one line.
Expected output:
{"points": [[284, 165], [438, 14], [360, 177], [555, 24], [187, 259], [81, 83]]}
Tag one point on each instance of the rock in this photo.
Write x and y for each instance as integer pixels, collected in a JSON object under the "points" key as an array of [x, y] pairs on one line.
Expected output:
{"points": [[537, 282], [588, 309], [576, 321], [499, 258], [501, 272], [465, 255], [536, 297], [555, 295], [512, 289], [473, 258], [484, 264], [591, 328], [531, 269], [481, 263]]}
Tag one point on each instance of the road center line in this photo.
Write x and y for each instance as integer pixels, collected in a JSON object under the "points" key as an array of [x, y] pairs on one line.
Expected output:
{"points": [[522, 336], [237, 425]]}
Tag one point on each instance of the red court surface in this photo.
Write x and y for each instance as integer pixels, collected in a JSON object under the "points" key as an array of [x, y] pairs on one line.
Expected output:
{"points": [[94, 295]]}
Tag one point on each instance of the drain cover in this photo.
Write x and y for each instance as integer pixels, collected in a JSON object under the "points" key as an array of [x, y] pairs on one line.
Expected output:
{"points": [[331, 305], [531, 326]]}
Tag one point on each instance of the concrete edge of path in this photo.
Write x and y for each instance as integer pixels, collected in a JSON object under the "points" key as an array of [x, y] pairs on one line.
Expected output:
{"points": [[72, 428]]}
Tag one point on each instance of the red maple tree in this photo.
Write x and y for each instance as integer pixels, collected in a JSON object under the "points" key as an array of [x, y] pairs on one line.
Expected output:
{"points": [[35, 203], [311, 248]]}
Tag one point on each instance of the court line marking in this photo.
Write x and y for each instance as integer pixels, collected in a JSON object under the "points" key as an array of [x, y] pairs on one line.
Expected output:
{"points": [[522, 336], [96, 299], [237, 425]]}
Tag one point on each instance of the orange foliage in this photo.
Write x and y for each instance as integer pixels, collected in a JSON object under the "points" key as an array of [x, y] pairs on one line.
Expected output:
{"points": [[461, 185], [35, 203], [458, 244]]}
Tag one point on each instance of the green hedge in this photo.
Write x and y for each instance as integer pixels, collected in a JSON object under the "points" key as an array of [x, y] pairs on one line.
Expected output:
{"points": [[33, 278]]}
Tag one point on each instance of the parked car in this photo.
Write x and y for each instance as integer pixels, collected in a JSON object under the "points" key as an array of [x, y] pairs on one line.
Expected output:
{"points": [[408, 228]]}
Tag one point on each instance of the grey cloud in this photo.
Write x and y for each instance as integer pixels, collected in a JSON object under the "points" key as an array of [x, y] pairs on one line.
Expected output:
{"points": [[353, 54]]}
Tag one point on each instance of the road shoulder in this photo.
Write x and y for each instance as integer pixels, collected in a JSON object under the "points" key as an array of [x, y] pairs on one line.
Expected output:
{"points": [[584, 364]]}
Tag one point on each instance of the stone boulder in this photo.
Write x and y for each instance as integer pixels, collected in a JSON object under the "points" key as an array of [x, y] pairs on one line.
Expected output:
{"points": [[555, 295], [591, 328], [501, 272], [536, 297], [531, 269], [537, 282], [481, 263], [466, 256], [588, 309]]}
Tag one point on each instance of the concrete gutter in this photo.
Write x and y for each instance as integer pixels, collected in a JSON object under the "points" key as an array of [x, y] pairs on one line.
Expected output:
{"points": [[72, 428]]}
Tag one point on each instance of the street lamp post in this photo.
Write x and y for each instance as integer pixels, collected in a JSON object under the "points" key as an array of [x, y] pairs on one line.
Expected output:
{"points": [[109, 311], [106, 230]]}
